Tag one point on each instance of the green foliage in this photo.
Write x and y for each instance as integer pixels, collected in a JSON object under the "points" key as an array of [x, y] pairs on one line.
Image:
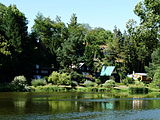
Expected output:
{"points": [[38, 82], [92, 89], [98, 81], [50, 35], [19, 83], [156, 78], [59, 78], [14, 43], [49, 89], [74, 83], [148, 11], [65, 79], [155, 64], [127, 81], [109, 84], [71, 52], [88, 83], [4, 46], [54, 78], [76, 77]]}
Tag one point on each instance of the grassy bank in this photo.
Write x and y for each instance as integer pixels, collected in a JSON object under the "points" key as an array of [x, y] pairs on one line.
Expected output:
{"points": [[123, 88]]}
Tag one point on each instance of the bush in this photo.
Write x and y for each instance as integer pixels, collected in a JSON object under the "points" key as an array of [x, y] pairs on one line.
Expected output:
{"points": [[139, 83], [38, 82], [65, 79], [76, 77], [98, 81], [54, 78], [88, 83], [49, 88], [59, 78], [74, 83], [127, 81], [109, 84], [19, 84]]}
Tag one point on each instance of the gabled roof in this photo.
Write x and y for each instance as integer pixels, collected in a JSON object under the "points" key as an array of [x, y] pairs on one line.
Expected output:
{"points": [[107, 71]]}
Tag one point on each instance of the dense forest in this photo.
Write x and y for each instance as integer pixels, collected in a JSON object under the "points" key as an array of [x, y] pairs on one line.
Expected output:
{"points": [[61, 47]]}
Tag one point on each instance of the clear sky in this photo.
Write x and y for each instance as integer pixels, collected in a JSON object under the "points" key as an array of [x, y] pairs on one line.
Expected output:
{"points": [[97, 13]]}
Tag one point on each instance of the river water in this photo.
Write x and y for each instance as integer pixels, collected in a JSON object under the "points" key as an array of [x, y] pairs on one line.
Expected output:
{"points": [[78, 106]]}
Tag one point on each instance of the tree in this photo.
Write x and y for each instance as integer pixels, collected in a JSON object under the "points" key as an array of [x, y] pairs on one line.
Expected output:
{"points": [[14, 39], [50, 35], [4, 46], [72, 48], [149, 13], [96, 40], [155, 64], [143, 38]]}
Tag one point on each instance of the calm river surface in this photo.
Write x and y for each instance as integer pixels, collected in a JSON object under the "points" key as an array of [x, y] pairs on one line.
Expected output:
{"points": [[78, 106]]}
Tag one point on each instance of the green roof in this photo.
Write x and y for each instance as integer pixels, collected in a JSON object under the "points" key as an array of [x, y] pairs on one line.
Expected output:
{"points": [[107, 71]]}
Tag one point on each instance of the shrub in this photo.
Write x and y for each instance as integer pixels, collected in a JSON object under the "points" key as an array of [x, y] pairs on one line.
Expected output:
{"points": [[74, 83], [127, 81], [49, 89], [65, 79], [139, 83], [76, 77], [54, 78], [98, 81], [88, 83], [59, 78], [19, 84], [109, 84], [38, 82]]}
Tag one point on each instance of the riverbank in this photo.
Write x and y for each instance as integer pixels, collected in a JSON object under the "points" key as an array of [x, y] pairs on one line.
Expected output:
{"points": [[119, 89]]}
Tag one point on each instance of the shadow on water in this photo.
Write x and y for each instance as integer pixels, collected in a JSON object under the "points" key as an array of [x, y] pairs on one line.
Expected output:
{"points": [[77, 106]]}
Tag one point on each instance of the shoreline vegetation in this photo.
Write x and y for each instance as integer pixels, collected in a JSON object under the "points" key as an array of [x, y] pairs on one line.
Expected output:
{"points": [[117, 89], [110, 86]]}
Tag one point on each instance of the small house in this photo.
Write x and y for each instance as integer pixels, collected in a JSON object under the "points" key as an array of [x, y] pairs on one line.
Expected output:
{"points": [[109, 71], [140, 76]]}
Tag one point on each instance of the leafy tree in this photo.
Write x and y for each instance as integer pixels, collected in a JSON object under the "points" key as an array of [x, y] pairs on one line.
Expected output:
{"points": [[96, 41], [156, 78], [49, 34], [71, 52], [155, 64], [14, 38], [148, 11], [4, 46]]}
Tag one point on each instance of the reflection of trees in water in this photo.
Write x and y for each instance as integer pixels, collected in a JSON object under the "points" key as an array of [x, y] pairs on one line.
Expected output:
{"points": [[20, 105], [76, 102]]}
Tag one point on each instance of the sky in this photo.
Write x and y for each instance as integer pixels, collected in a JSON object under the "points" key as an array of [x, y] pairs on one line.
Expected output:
{"points": [[97, 13]]}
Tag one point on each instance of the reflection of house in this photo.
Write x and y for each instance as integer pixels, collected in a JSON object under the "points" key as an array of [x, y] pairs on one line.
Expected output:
{"points": [[140, 76], [137, 104]]}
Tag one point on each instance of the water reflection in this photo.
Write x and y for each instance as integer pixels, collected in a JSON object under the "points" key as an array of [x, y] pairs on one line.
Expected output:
{"points": [[77, 105]]}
